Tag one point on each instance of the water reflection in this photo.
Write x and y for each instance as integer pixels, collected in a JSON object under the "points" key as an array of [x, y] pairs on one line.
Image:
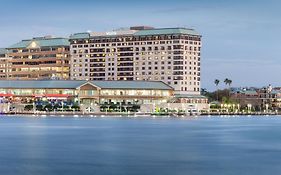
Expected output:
{"points": [[100, 145]]}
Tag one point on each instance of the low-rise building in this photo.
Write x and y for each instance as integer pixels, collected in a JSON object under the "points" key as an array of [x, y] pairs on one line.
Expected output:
{"points": [[92, 96], [270, 97], [188, 102], [259, 99], [39, 58], [247, 97]]}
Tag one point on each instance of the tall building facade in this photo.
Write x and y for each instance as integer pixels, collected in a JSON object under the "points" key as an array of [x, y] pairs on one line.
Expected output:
{"points": [[39, 58], [171, 55]]}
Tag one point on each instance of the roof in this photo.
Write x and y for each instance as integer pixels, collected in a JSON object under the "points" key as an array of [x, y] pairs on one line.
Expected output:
{"points": [[250, 92], [79, 35], [144, 32], [3, 51], [189, 96], [166, 31], [120, 32], [34, 84], [102, 34], [247, 92], [41, 42], [275, 91], [73, 84], [132, 85]]}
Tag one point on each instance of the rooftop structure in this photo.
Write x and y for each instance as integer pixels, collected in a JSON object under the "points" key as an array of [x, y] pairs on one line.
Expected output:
{"points": [[137, 31]]}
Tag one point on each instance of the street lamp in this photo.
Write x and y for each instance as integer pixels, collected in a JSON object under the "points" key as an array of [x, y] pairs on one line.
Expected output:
{"points": [[249, 107], [34, 108], [62, 106], [266, 107]]}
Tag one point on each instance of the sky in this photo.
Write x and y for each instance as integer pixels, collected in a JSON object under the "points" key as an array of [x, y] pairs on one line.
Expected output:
{"points": [[240, 38]]}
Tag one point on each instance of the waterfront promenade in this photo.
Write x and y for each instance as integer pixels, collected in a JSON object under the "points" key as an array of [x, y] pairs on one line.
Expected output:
{"points": [[138, 114]]}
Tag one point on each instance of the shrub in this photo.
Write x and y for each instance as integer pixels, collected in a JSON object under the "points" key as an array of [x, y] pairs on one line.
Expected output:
{"points": [[39, 107], [76, 107], [28, 107], [56, 106], [48, 107]]}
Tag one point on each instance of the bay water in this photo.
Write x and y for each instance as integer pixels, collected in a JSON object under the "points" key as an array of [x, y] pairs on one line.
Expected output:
{"points": [[217, 145]]}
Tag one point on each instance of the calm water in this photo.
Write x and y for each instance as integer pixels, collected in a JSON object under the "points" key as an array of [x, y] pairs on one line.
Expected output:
{"points": [[120, 146]]}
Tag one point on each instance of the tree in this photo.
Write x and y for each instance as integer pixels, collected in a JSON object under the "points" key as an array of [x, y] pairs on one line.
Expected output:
{"points": [[203, 91], [228, 82], [217, 83], [28, 107]]}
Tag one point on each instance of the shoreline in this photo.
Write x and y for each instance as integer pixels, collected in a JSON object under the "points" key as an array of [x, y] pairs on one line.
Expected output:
{"points": [[118, 114]]}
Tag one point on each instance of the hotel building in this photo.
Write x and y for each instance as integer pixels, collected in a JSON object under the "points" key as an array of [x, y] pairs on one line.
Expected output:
{"points": [[171, 55], [39, 58]]}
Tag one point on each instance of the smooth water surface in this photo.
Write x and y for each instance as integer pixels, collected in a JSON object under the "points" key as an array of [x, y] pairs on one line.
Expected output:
{"points": [[140, 146]]}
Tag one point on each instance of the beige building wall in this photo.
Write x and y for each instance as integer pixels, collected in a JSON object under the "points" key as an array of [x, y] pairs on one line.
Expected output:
{"points": [[39, 58], [181, 71], [4, 64], [120, 55], [4, 67]]}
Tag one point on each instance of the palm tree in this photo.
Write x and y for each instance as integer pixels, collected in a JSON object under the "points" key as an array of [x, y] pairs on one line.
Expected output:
{"points": [[228, 82], [203, 91], [217, 82]]}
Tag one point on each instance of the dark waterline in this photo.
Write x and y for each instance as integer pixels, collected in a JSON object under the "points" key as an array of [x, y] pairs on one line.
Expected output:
{"points": [[140, 146]]}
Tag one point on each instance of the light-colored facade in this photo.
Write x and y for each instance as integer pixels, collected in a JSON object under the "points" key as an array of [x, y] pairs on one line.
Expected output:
{"points": [[39, 58], [171, 55], [4, 63], [92, 96]]}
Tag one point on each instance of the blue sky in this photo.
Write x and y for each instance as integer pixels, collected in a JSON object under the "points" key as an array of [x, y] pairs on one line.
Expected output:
{"points": [[241, 38]]}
